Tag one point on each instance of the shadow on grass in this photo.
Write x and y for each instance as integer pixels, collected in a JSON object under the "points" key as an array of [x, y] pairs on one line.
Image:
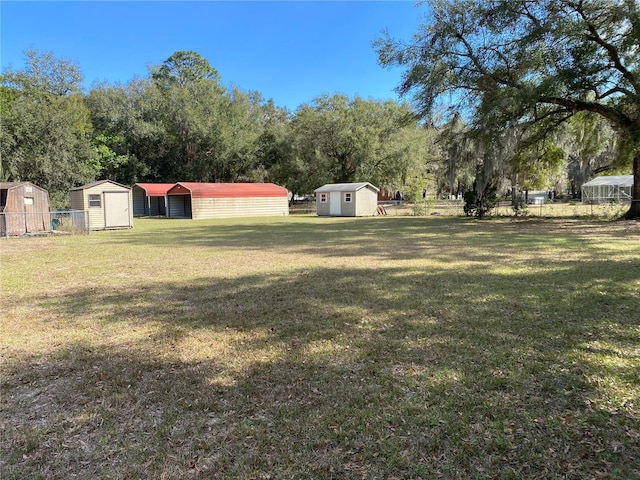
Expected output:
{"points": [[330, 373], [394, 238]]}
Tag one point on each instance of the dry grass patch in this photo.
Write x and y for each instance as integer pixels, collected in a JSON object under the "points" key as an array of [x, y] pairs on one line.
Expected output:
{"points": [[324, 348]]}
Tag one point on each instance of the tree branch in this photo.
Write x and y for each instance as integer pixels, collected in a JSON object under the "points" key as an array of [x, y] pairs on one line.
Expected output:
{"points": [[624, 91], [611, 50], [616, 117]]}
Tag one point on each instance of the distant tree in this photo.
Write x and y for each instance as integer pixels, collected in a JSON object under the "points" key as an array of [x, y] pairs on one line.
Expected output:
{"points": [[407, 161], [46, 73], [339, 139], [182, 68], [458, 156], [182, 110], [179, 124], [112, 111], [489, 153], [192, 119], [536, 166], [46, 129], [275, 148], [591, 147], [516, 61], [242, 125]]}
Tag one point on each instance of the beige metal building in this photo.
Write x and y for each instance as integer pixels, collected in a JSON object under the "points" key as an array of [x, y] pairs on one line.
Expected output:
{"points": [[150, 199], [223, 200], [110, 204], [347, 199]]}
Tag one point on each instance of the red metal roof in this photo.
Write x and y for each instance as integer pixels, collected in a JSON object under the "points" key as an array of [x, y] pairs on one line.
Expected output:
{"points": [[155, 189], [228, 190]]}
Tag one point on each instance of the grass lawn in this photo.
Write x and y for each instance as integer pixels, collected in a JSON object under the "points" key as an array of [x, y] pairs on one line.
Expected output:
{"points": [[303, 347]]}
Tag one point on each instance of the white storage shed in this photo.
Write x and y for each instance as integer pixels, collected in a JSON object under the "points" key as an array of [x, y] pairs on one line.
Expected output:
{"points": [[347, 199]]}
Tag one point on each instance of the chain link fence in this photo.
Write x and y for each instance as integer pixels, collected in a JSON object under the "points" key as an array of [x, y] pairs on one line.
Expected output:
{"points": [[504, 209], [420, 209], [67, 222]]}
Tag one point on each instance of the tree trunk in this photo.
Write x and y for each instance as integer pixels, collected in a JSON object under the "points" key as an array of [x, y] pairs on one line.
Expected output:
{"points": [[634, 209]]}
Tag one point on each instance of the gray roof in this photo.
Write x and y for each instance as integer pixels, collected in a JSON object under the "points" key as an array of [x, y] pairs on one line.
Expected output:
{"points": [[345, 187], [93, 184], [619, 180]]}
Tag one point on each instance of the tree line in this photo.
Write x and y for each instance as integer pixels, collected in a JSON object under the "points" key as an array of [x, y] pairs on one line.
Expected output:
{"points": [[508, 96], [180, 124]]}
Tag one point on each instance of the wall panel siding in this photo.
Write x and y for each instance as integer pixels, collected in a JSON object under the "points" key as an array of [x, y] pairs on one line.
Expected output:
{"points": [[349, 208], [78, 200], [96, 214], [322, 208], [158, 206], [239, 207], [140, 207], [367, 202]]}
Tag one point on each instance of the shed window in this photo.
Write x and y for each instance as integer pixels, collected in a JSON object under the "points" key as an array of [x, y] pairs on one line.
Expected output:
{"points": [[94, 201], [323, 198], [347, 197]]}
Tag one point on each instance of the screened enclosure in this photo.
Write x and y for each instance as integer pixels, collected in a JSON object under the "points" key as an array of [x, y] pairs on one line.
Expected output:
{"points": [[612, 189]]}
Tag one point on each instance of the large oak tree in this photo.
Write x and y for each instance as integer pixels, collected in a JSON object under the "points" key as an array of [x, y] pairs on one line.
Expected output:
{"points": [[506, 62]]}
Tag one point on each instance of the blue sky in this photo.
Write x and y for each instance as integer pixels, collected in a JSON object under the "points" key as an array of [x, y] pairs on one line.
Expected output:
{"points": [[288, 51]]}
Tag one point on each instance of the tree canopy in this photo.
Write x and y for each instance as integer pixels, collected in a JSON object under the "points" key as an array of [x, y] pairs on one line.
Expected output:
{"points": [[344, 139], [521, 62], [180, 123], [182, 68], [519, 109], [45, 129]]}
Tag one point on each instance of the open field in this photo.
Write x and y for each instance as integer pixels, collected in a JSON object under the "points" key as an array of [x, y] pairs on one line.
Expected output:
{"points": [[302, 347]]}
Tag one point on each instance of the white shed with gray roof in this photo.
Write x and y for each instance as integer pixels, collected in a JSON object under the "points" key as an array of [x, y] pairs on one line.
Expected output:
{"points": [[347, 200]]}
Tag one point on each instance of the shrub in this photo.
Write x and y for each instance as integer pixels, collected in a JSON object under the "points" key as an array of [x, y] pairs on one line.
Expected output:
{"points": [[480, 205], [520, 207]]}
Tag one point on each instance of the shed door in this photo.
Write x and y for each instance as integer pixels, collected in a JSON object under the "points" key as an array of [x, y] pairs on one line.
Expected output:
{"points": [[35, 220], [116, 209], [335, 203]]}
